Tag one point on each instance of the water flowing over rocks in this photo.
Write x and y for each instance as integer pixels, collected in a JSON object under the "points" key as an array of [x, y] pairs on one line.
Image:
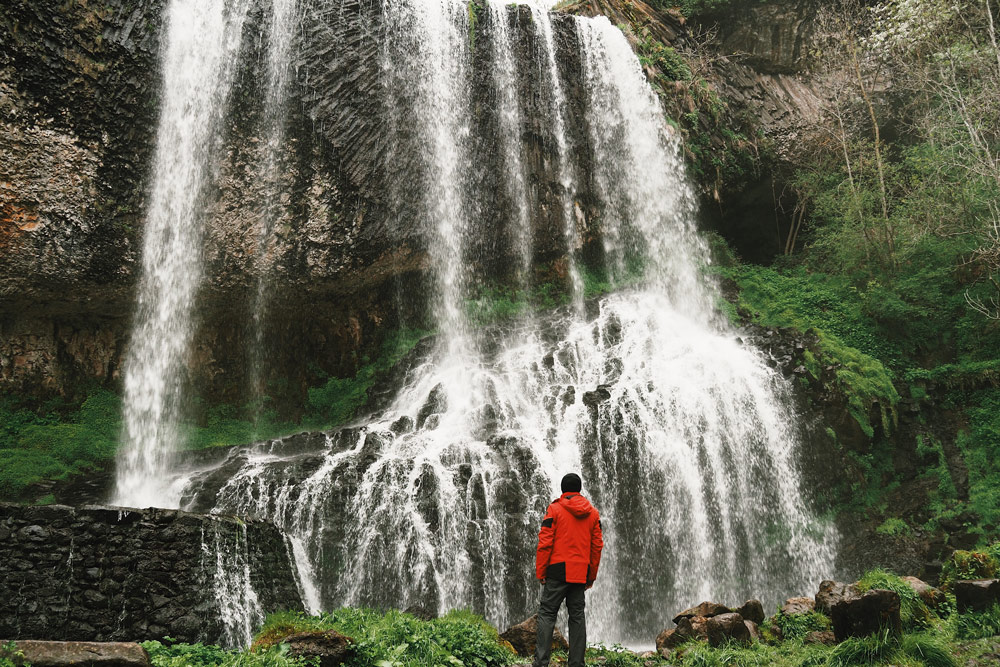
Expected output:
{"points": [[111, 574]]}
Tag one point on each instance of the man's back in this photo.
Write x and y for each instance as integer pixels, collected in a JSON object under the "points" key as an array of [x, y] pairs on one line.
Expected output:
{"points": [[570, 541], [569, 554]]}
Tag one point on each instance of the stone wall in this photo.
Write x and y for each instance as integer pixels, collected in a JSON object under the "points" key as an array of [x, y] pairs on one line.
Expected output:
{"points": [[110, 574]]}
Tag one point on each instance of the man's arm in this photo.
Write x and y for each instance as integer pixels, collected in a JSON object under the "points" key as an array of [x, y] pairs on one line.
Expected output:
{"points": [[596, 545], [546, 536]]}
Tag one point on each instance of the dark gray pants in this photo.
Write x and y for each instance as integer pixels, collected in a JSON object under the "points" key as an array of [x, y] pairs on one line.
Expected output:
{"points": [[552, 596]]}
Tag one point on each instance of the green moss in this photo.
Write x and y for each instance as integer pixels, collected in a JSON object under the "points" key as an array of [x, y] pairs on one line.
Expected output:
{"points": [[971, 565], [894, 527]]}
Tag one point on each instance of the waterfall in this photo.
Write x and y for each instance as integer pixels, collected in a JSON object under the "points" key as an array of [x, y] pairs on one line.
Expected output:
{"points": [[508, 102], [202, 42], [226, 556], [680, 429], [279, 72], [567, 182]]}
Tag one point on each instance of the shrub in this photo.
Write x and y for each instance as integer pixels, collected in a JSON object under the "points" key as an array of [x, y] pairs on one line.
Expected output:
{"points": [[977, 625], [894, 527], [399, 639], [969, 565], [797, 626]]}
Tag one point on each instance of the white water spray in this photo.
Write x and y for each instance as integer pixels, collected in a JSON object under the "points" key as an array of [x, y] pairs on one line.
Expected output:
{"points": [[203, 39]]}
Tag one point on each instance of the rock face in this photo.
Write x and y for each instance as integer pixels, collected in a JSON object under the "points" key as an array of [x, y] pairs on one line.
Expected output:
{"points": [[113, 574], [727, 628], [331, 647], [523, 637], [752, 610], [875, 611], [832, 592], [932, 597], [79, 93], [794, 606], [976, 595], [705, 609], [79, 654]]}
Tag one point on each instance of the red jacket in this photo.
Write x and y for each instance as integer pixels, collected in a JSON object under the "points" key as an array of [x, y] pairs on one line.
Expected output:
{"points": [[570, 541]]}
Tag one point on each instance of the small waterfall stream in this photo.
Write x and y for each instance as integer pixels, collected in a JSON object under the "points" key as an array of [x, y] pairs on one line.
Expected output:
{"points": [[203, 39], [680, 429]]}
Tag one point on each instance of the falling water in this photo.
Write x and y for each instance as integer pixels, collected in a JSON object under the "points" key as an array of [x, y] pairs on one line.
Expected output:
{"points": [[508, 102], [226, 555], [567, 182], [202, 42], [429, 52], [279, 73], [678, 427]]}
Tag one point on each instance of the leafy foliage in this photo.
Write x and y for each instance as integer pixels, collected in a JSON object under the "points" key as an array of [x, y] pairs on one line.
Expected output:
{"points": [[797, 626], [397, 639], [977, 625]]}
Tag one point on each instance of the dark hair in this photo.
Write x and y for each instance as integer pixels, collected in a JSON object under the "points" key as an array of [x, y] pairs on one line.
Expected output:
{"points": [[571, 483]]}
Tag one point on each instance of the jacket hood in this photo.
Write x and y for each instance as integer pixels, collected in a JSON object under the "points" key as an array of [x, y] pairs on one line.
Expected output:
{"points": [[576, 504]]}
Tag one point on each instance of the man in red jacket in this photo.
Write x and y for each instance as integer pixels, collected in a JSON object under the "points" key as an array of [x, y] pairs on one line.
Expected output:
{"points": [[569, 553]]}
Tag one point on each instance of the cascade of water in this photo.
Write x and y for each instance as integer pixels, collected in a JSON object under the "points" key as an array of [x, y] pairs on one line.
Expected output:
{"points": [[279, 72], [508, 101], [203, 38], [228, 559], [543, 21], [428, 51], [676, 425]]}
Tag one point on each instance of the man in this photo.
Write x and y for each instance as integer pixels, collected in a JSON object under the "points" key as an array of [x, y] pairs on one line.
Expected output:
{"points": [[569, 553]]}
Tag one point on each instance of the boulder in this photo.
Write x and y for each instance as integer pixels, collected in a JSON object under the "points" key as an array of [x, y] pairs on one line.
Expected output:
{"points": [[754, 630], [727, 627], [689, 627], [329, 646], [752, 610], [705, 609], [523, 637], [932, 597], [79, 654], [795, 606], [872, 612], [824, 637], [832, 592], [976, 595]]}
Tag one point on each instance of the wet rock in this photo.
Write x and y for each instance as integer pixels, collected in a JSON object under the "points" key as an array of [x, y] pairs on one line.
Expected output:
{"points": [[977, 594], [752, 610], [79, 654], [832, 592], [727, 628], [688, 628], [795, 606], [523, 637], [110, 573], [599, 395], [402, 425], [705, 609], [825, 637], [330, 647], [436, 403], [930, 596], [874, 611]]}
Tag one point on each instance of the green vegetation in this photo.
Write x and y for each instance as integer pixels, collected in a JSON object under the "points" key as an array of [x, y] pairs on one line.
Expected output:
{"points": [[10, 656], [56, 439], [795, 626], [339, 399]]}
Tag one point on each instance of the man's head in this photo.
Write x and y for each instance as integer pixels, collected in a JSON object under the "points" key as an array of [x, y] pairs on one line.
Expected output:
{"points": [[571, 483]]}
